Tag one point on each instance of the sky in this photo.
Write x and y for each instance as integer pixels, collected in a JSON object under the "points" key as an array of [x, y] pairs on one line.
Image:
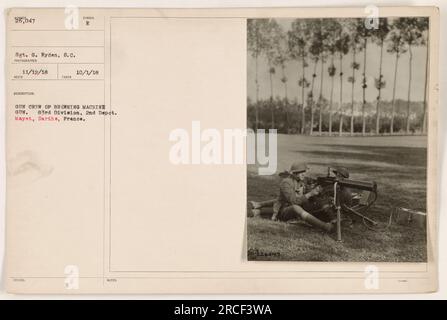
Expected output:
{"points": [[293, 73]]}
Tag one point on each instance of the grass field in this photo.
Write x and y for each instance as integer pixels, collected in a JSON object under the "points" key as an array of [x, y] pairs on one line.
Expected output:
{"points": [[397, 164]]}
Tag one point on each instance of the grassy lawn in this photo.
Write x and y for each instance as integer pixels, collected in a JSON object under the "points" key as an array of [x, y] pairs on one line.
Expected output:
{"points": [[397, 164]]}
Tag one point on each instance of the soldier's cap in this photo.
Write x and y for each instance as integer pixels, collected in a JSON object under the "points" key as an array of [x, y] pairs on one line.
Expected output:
{"points": [[298, 167], [341, 171]]}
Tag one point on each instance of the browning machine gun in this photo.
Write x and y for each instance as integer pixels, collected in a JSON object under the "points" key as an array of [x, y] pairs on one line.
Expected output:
{"points": [[360, 202]]}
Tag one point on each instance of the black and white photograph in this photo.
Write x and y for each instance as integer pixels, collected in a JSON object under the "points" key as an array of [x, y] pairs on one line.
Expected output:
{"points": [[347, 98]]}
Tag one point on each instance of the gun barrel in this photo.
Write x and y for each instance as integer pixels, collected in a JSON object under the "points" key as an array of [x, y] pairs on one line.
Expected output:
{"points": [[361, 185]]}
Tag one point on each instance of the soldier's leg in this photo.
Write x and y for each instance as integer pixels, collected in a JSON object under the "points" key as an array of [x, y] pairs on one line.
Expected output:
{"points": [[276, 208], [320, 208], [288, 213], [262, 208], [262, 204], [262, 212], [295, 211]]}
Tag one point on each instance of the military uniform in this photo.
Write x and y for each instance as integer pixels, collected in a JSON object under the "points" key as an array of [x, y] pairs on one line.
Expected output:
{"points": [[291, 192], [293, 195]]}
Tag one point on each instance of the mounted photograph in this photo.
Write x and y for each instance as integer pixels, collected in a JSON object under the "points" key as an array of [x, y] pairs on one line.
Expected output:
{"points": [[347, 99]]}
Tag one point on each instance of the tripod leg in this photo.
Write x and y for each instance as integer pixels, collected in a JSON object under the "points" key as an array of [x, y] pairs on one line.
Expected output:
{"points": [[338, 223], [352, 211], [338, 208]]}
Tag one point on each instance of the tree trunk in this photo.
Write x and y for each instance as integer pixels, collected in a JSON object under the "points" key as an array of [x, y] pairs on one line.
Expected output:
{"points": [[312, 98], [380, 89], [272, 108], [286, 101], [394, 94], [364, 88], [331, 98], [271, 101], [320, 99], [257, 83], [352, 91], [303, 110], [340, 107], [298, 129], [407, 130], [424, 118]]}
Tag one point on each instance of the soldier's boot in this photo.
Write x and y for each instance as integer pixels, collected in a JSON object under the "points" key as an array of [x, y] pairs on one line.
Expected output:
{"points": [[256, 213], [255, 205], [316, 222]]}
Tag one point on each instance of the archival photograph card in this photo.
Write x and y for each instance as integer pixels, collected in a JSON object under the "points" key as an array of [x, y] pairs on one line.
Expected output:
{"points": [[227, 151]]}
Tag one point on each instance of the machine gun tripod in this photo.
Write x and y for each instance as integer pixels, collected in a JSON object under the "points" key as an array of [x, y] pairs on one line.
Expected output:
{"points": [[359, 204]]}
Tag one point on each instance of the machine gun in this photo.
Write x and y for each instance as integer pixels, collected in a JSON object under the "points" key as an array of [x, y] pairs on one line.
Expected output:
{"points": [[360, 203]]}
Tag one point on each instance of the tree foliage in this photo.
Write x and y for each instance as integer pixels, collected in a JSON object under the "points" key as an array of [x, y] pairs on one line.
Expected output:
{"points": [[317, 41]]}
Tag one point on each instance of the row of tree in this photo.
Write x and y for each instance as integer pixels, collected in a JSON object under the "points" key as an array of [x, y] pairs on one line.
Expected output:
{"points": [[326, 42], [287, 120]]}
